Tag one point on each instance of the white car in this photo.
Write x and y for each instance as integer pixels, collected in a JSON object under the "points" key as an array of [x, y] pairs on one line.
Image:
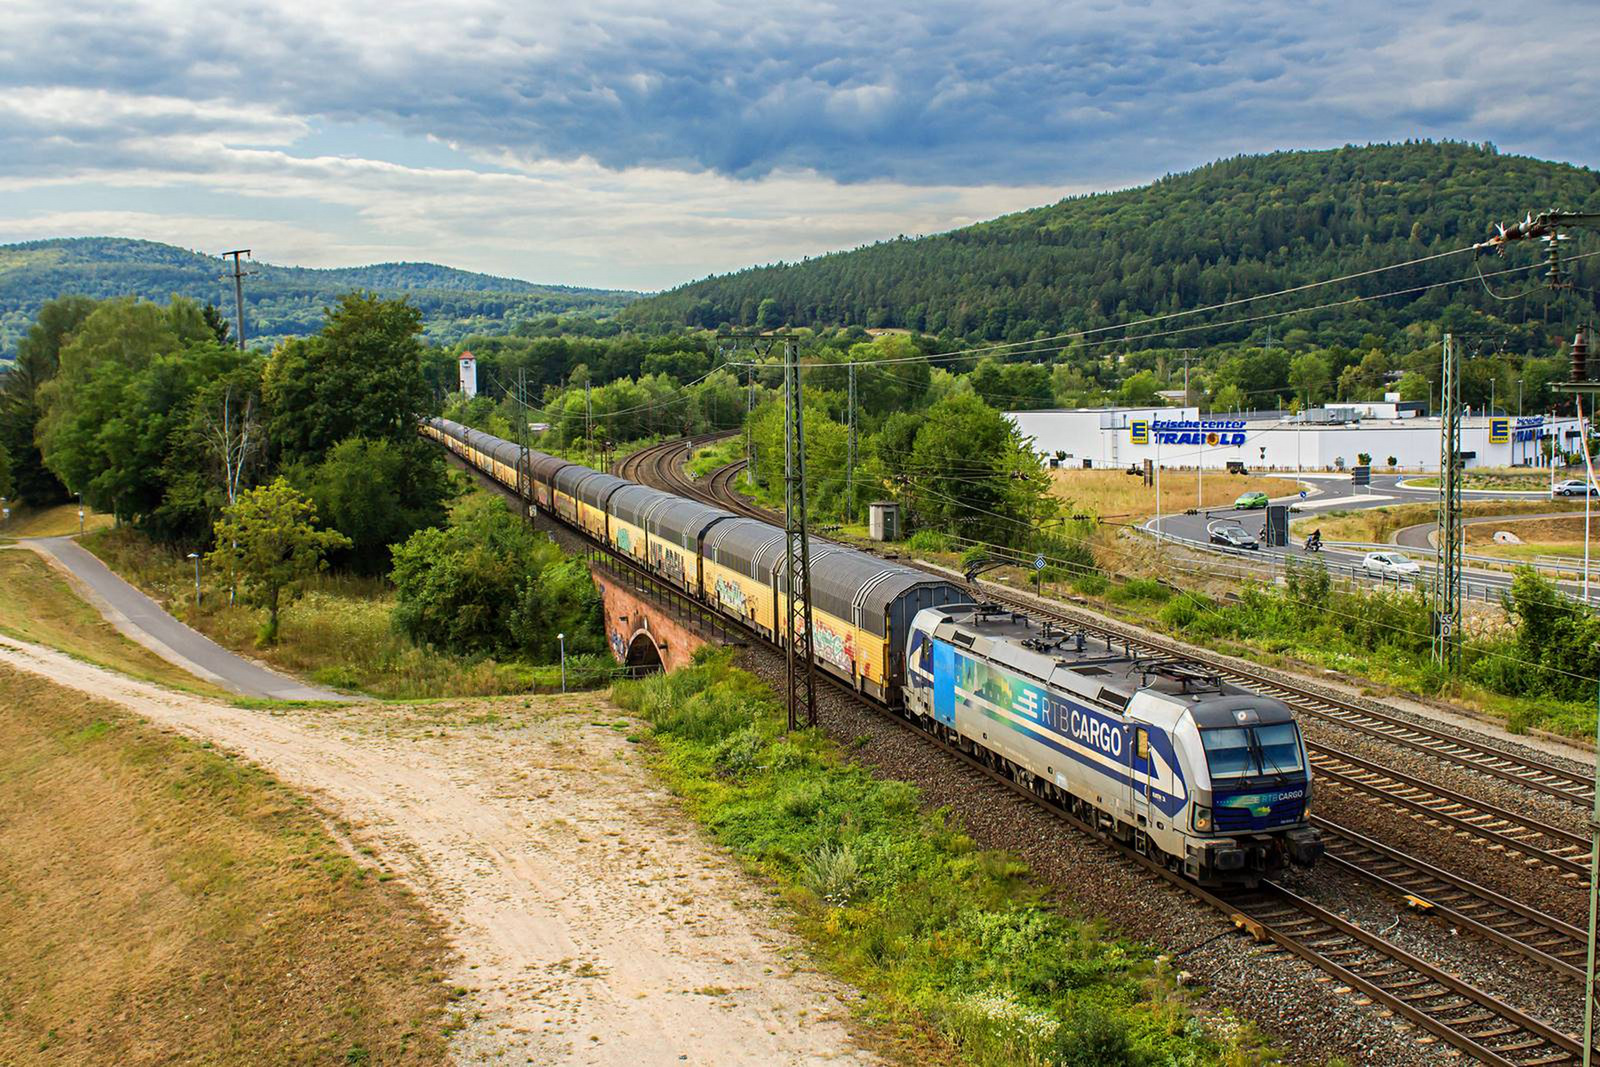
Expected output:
{"points": [[1390, 565], [1574, 487]]}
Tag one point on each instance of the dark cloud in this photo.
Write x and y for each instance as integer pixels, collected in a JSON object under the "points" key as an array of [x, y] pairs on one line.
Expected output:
{"points": [[935, 93]]}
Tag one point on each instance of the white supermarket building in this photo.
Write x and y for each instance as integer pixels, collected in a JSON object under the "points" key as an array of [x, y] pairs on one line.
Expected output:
{"points": [[1330, 438]]}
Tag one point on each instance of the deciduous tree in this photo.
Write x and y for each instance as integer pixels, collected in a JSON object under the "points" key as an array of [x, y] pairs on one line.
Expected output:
{"points": [[361, 376], [270, 541]]}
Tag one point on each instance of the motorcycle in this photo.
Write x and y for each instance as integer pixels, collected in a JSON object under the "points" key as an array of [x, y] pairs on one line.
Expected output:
{"points": [[1314, 543]]}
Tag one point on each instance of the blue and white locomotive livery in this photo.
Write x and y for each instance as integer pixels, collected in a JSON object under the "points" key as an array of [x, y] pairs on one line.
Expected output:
{"points": [[1209, 778]]}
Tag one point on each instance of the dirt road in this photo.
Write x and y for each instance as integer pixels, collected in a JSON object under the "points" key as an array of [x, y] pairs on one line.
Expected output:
{"points": [[594, 925]]}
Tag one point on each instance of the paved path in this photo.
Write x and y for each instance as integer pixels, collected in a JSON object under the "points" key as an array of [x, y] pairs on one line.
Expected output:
{"points": [[142, 620]]}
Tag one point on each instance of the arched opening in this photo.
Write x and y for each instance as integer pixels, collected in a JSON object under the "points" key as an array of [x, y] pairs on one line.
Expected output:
{"points": [[643, 655]]}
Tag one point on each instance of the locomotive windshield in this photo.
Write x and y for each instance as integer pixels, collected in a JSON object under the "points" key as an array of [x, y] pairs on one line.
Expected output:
{"points": [[1252, 751]]}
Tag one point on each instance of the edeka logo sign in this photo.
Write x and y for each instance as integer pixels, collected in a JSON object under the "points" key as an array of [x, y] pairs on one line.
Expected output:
{"points": [[1139, 431], [1210, 432], [1499, 430]]}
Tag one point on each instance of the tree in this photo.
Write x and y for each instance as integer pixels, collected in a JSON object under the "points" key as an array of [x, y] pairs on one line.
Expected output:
{"points": [[970, 473], [1140, 390], [7, 487], [769, 316], [488, 583], [1309, 374], [378, 493], [121, 390], [21, 405], [217, 322], [226, 425], [361, 376], [1229, 398], [269, 540], [1414, 388]]}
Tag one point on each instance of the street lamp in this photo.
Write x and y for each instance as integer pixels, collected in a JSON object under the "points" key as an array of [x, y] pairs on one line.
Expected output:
{"points": [[562, 638], [196, 557]]}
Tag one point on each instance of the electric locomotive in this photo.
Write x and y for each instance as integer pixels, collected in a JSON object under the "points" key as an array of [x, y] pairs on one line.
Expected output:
{"points": [[1159, 752]]}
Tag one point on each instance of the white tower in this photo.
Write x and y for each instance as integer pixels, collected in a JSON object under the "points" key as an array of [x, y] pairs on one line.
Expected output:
{"points": [[469, 375]]}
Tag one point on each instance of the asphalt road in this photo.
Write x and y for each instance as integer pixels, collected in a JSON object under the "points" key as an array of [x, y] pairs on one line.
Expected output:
{"points": [[143, 620], [1337, 494]]}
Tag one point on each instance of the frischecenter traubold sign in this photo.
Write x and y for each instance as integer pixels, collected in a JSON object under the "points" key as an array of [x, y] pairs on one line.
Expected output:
{"points": [[1211, 432]]}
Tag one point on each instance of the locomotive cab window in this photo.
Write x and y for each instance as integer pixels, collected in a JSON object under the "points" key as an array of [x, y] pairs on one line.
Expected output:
{"points": [[1251, 751], [1141, 743]]}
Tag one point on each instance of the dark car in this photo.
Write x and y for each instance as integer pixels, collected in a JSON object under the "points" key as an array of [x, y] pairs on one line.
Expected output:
{"points": [[1234, 537]]}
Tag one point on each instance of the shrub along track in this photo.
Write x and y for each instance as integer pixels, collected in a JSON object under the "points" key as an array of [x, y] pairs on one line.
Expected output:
{"points": [[1452, 1010]]}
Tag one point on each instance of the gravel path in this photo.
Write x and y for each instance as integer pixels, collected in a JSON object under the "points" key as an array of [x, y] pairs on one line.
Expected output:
{"points": [[593, 925]]}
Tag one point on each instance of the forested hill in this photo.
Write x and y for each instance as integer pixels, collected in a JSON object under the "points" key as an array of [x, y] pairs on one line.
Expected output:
{"points": [[1239, 226], [279, 301]]}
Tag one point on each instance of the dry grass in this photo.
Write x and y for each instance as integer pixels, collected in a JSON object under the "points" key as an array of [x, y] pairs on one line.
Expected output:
{"points": [[1517, 478], [1377, 524], [50, 522], [1115, 494], [37, 605], [162, 903], [1540, 537]]}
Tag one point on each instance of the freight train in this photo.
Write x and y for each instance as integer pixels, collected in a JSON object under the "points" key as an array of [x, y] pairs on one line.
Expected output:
{"points": [[1206, 777]]}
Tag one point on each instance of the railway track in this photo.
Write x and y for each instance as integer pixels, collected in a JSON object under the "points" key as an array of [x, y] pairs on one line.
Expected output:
{"points": [[1454, 1011], [1527, 931], [1480, 757], [1497, 827]]}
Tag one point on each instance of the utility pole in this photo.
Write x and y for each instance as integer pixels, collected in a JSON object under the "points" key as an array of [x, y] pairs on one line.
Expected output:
{"points": [[850, 464], [800, 664], [588, 424], [524, 475], [749, 418], [1447, 576], [239, 275]]}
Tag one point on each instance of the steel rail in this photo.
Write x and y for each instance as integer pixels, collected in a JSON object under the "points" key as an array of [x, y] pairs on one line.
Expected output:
{"points": [[1531, 933]]}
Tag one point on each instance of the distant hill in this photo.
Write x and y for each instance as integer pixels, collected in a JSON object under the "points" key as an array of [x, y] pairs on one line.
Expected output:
{"points": [[279, 301], [1247, 225]]}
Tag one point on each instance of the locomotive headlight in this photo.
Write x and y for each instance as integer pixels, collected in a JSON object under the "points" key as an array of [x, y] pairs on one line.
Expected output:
{"points": [[1202, 819]]}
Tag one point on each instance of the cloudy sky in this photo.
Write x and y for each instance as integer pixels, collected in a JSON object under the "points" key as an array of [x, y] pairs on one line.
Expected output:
{"points": [[640, 144]]}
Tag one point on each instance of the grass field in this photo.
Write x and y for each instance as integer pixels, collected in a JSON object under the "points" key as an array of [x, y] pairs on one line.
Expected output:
{"points": [[338, 635], [37, 605], [1377, 524], [1540, 537], [936, 933], [1511, 478], [163, 903], [50, 522], [1115, 494]]}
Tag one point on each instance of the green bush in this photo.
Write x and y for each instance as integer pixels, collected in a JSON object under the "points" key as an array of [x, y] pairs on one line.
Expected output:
{"points": [[487, 583], [928, 541], [899, 902], [1091, 584], [1135, 590]]}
